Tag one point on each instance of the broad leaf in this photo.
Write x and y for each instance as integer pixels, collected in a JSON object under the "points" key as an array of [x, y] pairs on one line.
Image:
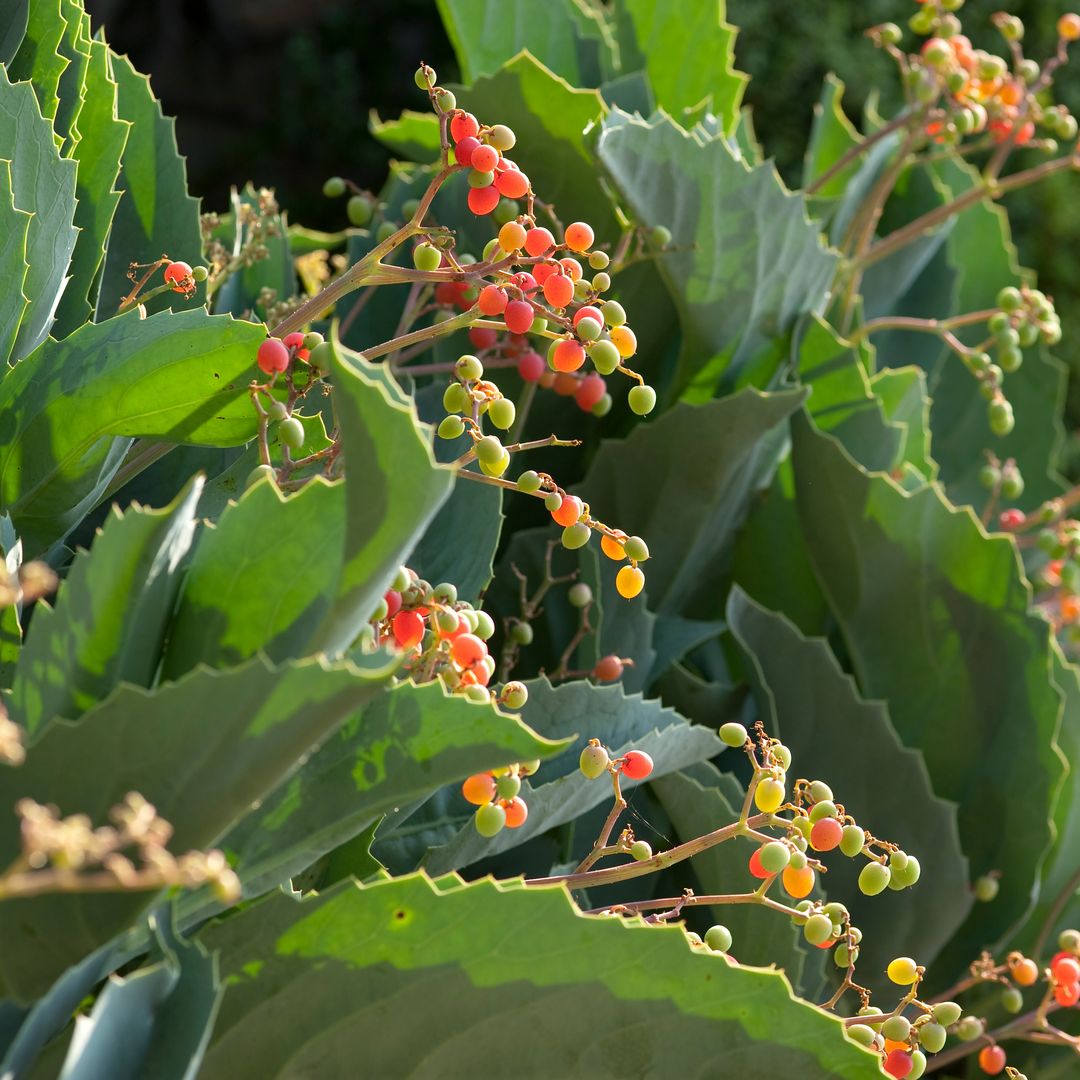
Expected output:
{"points": [[335, 966], [935, 616], [413, 135], [44, 186], [202, 750], [111, 615], [14, 227], [178, 377], [831, 136], [400, 746], [156, 214], [683, 482], [748, 262]]}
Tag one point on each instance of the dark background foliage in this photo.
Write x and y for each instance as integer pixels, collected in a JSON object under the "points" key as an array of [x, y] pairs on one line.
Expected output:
{"points": [[280, 92]]}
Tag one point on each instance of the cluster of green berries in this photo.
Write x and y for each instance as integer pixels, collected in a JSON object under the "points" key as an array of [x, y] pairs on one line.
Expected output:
{"points": [[1002, 478], [970, 91], [497, 796], [443, 637], [363, 207]]}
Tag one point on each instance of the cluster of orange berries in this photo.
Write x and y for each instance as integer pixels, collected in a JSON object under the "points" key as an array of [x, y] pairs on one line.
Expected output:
{"points": [[444, 637], [496, 795]]}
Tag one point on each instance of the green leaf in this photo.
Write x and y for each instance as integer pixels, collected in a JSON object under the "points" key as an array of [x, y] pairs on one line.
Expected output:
{"points": [[155, 214], [44, 186], [688, 52], [400, 746], [261, 579], [332, 965], [759, 936], [683, 482], [154, 1021], [560, 792], [815, 708], [905, 400], [841, 399], [935, 616], [178, 377], [38, 61], [393, 489], [14, 227], [111, 616], [202, 750], [74, 47], [413, 135], [102, 138], [831, 136], [14, 29], [773, 266], [486, 34]]}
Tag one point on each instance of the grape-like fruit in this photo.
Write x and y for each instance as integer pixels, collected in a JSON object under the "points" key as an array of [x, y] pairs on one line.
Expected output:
{"points": [[636, 765], [593, 761], [733, 734], [489, 819], [718, 938], [874, 879], [775, 856], [903, 971], [640, 850], [479, 788], [768, 795]]}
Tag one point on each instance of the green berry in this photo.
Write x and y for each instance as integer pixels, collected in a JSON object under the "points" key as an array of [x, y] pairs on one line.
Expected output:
{"points": [[636, 549], [601, 282], [514, 695], [818, 929], [506, 787], [446, 101], [969, 1029], [425, 79], [260, 472], [491, 817], [732, 734], [469, 368], [782, 755], [1069, 941], [1009, 298], [1012, 1001], [277, 410], [986, 888], [640, 850], [863, 1034], [989, 477], [588, 329], [1000, 417], [947, 1013], [843, 956], [659, 236], [360, 209], [718, 938], [291, 432], [529, 482], [874, 879], [932, 1036], [502, 138], [502, 413], [798, 860], [918, 1065], [521, 633], [456, 399], [614, 313], [426, 257], [602, 407], [477, 179], [604, 356], [552, 501], [896, 1028], [334, 188], [576, 535], [451, 427], [852, 840], [1009, 358], [593, 761], [484, 625], [599, 260], [642, 400], [823, 809], [580, 595], [774, 856], [489, 450], [386, 230]]}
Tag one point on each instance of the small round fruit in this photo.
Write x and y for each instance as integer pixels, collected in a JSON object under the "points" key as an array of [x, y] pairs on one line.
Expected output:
{"points": [[896, 1028], [569, 510], [578, 236], [260, 472], [291, 432], [360, 209], [863, 1034], [608, 669], [334, 187], [852, 840], [1012, 1001], [502, 414], [769, 794], [272, 356], [479, 788], [507, 786], [774, 856], [467, 649], [718, 938], [514, 695], [932, 1036], [575, 536], [489, 819], [733, 734], [897, 1063], [903, 971], [992, 1060], [502, 138], [986, 888], [451, 427], [579, 594], [798, 882], [826, 834], [593, 761], [636, 549], [874, 879], [629, 581], [640, 850], [179, 276], [424, 77], [517, 810], [614, 313], [469, 368], [818, 929], [946, 1013], [637, 765], [641, 399], [604, 355], [426, 257]]}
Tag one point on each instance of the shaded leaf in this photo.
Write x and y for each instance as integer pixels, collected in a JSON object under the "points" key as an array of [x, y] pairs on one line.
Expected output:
{"points": [[413, 135], [14, 228], [831, 136]]}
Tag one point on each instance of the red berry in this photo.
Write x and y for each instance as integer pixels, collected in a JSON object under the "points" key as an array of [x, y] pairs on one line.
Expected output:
{"points": [[482, 200], [637, 765], [393, 602], [479, 788], [558, 290], [530, 366], [992, 1060], [272, 356], [542, 271], [588, 312], [482, 337], [565, 384], [484, 158], [572, 268], [568, 511], [463, 149], [462, 125], [826, 834], [756, 868], [538, 241], [408, 628], [492, 300], [608, 668], [578, 236], [569, 355], [516, 811], [525, 282], [590, 390], [897, 1063], [1011, 519], [1067, 994], [295, 341], [446, 293], [511, 183], [467, 649], [178, 275], [1065, 969], [518, 316]]}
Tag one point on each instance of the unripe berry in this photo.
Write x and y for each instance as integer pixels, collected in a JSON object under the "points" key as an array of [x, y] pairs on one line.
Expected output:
{"points": [[769, 794], [852, 840], [360, 209], [946, 1013], [733, 734], [641, 399], [594, 760], [576, 535], [426, 257], [817, 930], [451, 427], [580, 595], [502, 413], [291, 433], [932, 1037], [490, 818], [774, 856], [640, 850], [986, 888], [334, 188], [874, 879], [521, 633], [636, 549], [424, 77], [718, 938], [514, 695]]}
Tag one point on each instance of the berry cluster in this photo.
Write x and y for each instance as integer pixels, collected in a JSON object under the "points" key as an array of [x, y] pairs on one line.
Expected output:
{"points": [[595, 760], [496, 795]]}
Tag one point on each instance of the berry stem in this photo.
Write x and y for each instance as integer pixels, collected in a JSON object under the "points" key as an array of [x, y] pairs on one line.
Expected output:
{"points": [[600, 845], [1068, 890], [856, 151], [711, 900], [929, 326]]}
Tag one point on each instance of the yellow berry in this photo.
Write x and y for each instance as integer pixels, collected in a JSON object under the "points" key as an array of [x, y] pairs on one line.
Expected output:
{"points": [[903, 971], [629, 581], [768, 795], [624, 339]]}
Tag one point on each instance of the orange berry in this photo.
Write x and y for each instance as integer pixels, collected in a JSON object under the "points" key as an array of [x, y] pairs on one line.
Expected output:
{"points": [[624, 339], [565, 384], [572, 268], [467, 649], [568, 511], [1011, 94], [512, 236], [516, 811], [1025, 972], [569, 355], [612, 548], [1070, 608], [479, 789], [798, 883], [892, 1044], [1068, 26], [629, 581], [578, 236]]}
